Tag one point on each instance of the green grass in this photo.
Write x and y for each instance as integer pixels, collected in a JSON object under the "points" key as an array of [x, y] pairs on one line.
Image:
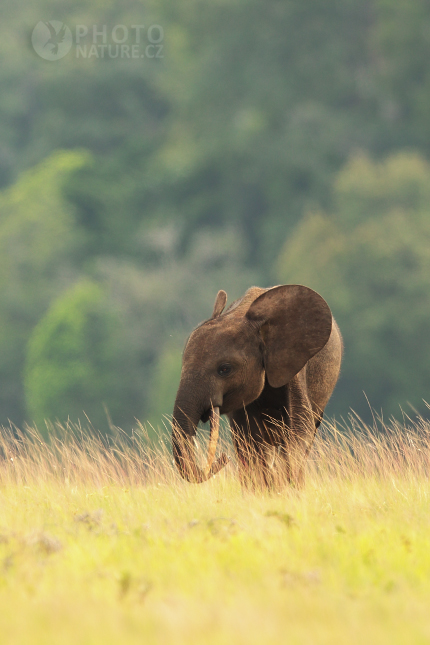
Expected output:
{"points": [[107, 546]]}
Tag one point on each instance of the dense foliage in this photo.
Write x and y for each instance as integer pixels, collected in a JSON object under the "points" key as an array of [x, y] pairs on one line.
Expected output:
{"points": [[164, 179], [370, 259], [74, 362]]}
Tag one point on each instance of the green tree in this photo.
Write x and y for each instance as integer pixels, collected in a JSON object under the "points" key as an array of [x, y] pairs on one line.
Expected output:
{"points": [[370, 259], [266, 109], [104, 105], [73, 365], [400, 37], [246, 118], [40, 250]]}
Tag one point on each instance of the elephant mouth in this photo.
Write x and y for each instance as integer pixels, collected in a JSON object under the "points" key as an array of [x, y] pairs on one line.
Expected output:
{"points": [[205, 416]]}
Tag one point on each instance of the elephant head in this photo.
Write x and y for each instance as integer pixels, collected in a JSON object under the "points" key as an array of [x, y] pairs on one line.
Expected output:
{"points": [[268, 334]]}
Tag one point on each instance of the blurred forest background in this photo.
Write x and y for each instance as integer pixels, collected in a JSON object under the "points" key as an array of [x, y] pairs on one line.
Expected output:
{"points": [[274, 141]]}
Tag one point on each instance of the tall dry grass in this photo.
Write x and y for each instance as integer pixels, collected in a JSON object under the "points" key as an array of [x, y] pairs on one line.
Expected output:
{"points": [[344, 451]]}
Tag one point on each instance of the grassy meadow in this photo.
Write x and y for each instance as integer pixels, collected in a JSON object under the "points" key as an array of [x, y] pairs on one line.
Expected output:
{"points": [[103, 544]]}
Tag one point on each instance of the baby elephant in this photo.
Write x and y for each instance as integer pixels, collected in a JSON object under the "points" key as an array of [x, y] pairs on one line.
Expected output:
{"points": [[270, 363]]}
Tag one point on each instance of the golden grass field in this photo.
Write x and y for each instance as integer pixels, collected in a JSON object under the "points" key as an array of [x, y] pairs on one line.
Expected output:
{"points": [[106, 545]]}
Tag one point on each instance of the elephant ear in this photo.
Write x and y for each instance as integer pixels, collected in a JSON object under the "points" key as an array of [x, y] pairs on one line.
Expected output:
{"points": [[294, 323], [219, 305]]}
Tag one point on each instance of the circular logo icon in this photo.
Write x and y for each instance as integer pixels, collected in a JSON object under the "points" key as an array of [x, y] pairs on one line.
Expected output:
{"points": [[51, 40]]}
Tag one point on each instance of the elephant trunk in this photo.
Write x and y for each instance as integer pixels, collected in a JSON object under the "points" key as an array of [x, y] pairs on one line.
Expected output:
{"points": [[184, 446]]}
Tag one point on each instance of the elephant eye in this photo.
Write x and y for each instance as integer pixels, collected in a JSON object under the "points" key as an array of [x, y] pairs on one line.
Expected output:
{"points": [[224, 369]]}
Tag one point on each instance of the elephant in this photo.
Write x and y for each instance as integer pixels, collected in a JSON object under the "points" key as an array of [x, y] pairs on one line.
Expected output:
{"points": [[269, 362]]}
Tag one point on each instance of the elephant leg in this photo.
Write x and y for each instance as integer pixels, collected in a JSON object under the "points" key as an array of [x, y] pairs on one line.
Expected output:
{"points": [[300, 434], [256, 458]]}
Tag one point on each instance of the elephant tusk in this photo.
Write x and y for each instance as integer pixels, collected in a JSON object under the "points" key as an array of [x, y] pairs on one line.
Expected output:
{"points": [[213, 438], [183, 446]]}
